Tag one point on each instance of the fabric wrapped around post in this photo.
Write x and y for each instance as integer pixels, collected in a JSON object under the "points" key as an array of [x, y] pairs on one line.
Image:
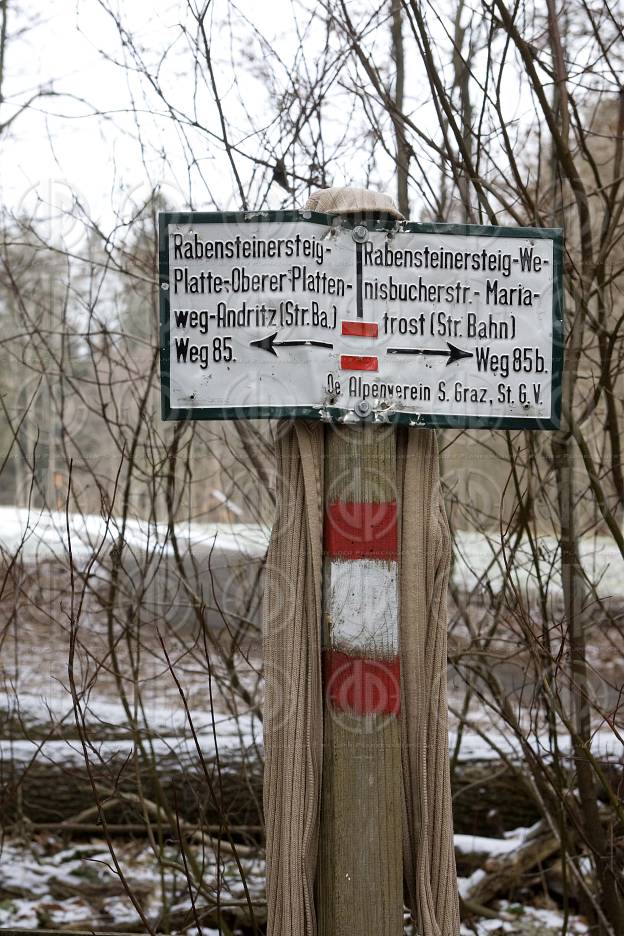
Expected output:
{"points": [[293, 710]]}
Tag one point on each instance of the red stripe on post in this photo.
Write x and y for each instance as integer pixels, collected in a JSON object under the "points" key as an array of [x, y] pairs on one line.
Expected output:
{"points": [[362, 686], [358, 362], [361, 329], [355, 530]]}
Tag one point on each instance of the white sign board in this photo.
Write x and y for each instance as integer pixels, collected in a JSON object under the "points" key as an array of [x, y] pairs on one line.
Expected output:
{"points": [[300, 314]]}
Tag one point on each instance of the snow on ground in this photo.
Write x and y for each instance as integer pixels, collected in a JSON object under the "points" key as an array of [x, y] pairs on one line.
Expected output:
{"points": [[466, 884], [46, 884], [519, 920], [232, 734], [166, 716], [245, 731], [42, 535], [606, 743], [477, 560], [492, 847]]}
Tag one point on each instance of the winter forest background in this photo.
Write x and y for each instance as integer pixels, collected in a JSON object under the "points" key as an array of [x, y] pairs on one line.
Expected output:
{"points": [[132, 550]]}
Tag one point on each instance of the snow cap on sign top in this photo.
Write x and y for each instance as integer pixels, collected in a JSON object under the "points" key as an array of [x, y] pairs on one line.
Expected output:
{"points": [[352, 200]]}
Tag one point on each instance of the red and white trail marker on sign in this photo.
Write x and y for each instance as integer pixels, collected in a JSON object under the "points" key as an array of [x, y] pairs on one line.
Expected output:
{"points": [[302, 314]]}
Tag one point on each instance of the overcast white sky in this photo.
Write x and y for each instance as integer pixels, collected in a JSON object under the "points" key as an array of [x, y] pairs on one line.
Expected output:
{"points": [[109, 150], [51, 146], [59, 150]]}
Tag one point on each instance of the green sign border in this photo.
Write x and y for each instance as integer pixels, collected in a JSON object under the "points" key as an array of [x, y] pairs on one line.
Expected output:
{"points": [[333, 414]]}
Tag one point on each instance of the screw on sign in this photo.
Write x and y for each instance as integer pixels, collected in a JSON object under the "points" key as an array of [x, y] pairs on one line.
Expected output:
{"points": [[345, 314]]}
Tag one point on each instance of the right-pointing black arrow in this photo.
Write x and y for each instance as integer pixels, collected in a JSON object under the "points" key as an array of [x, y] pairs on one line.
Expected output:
{"points": [[453, 354]]}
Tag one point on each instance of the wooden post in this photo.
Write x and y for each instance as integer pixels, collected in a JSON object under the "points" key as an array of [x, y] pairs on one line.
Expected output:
{"points": [[360, 876]]}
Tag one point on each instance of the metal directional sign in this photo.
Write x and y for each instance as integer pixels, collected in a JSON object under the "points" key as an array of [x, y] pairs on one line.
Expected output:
{"points": [[309, 315]]}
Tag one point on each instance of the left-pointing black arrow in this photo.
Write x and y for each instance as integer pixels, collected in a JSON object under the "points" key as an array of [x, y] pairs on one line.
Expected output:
{"points": [[453, 354], [270, 344]]}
